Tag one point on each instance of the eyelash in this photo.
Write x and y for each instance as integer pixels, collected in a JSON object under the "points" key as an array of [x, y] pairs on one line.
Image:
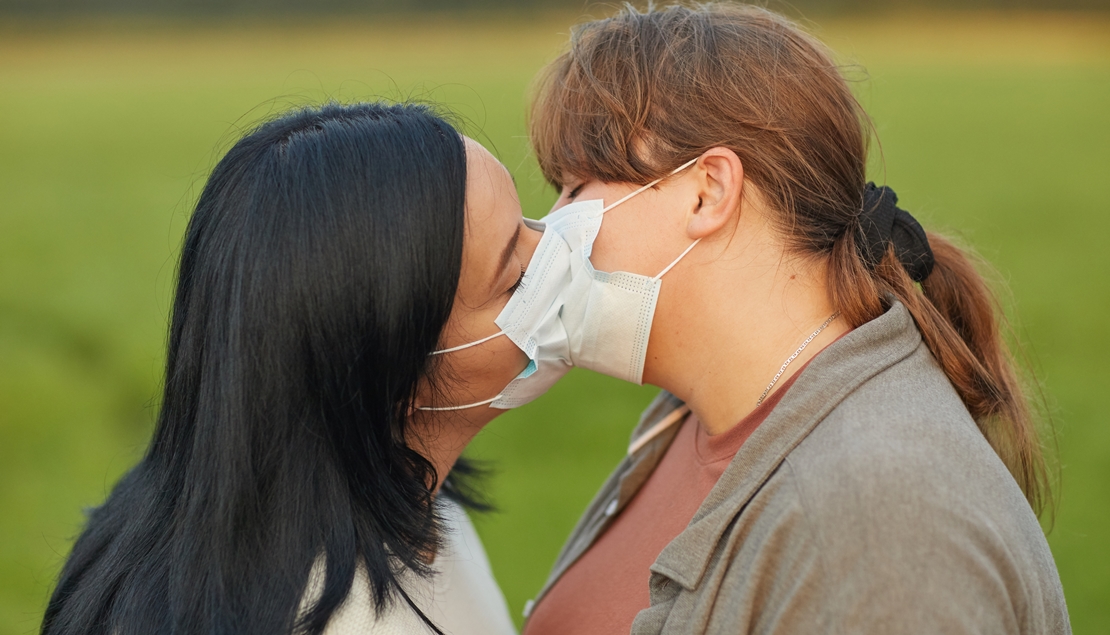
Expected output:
{"points": [[519, 284], [575, 191]]}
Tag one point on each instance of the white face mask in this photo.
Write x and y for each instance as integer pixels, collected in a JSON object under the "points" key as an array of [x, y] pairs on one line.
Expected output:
{"points": [[566, 313]]}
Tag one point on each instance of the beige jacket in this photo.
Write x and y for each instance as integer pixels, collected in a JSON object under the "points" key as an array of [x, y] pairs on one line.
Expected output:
{"points": [[867, 502]]}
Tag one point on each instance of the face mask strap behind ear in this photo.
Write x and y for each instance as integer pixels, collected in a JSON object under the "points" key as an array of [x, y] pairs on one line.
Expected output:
{"points": [[652, 184]]}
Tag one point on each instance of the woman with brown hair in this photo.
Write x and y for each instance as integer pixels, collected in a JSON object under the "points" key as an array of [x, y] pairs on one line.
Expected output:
{"points": [[842, 443]]}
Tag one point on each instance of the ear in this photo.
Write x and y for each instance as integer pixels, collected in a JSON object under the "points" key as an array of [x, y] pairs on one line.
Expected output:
{"points": [[719, 184]]}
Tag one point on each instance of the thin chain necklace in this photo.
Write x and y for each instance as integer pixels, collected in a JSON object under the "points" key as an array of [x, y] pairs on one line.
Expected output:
{"points": [[795, 356]]}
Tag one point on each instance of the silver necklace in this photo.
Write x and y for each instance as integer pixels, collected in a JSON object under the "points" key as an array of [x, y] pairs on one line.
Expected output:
{"points": [[795, 356]]}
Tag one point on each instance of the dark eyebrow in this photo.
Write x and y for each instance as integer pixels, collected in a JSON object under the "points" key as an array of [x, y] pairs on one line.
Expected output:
{"points": [[508, 251]]}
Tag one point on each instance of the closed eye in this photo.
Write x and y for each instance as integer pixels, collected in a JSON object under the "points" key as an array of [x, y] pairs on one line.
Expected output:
{"points": [[519, 284], [574, 192]]}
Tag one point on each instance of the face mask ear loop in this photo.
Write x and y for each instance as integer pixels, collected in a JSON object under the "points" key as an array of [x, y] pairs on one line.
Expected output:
{"points": [[652, 184], [469, 405], [680, 257], [628, 196], [468, 345]]}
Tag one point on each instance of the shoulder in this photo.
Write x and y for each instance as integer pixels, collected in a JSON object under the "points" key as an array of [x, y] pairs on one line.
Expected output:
{"points": [[461, 598], [903, 445], [465, 598], [357, 616], [907, 514]]}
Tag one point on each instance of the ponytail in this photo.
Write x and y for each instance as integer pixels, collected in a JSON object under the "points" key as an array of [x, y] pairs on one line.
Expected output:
{"points": [[961, 321]]}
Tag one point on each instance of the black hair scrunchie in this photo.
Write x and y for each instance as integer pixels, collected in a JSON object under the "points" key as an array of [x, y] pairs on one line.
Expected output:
{"points": [[884, 223]]}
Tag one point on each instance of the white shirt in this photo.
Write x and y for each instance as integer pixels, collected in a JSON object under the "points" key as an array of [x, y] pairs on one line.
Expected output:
{"points": [[462, 598]]}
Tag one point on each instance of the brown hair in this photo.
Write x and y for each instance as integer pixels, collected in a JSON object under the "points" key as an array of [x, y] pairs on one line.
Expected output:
{"points": [[642, 92]]}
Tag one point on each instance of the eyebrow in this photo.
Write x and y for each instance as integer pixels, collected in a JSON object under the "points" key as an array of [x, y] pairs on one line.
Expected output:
{"points": [[508, 251]]}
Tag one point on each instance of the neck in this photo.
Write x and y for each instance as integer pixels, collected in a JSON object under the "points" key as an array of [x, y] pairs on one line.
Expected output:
{"points": [[442, 437], [727, 320]]}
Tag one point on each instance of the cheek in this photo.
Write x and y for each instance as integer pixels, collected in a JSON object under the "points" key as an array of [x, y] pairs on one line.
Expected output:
{"points": [[610, 249], [560, 202], [625, 241], [508, 361], [642, 235], [482, 371]]}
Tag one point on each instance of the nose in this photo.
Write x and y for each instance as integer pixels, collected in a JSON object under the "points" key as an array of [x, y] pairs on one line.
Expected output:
{"points": [[528, 241]]}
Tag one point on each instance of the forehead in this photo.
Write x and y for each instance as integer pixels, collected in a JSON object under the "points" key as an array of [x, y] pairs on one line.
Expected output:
{"points": [[492, 217], [487, 180]]}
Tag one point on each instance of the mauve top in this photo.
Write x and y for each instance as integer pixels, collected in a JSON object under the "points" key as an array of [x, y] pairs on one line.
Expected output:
{"points": [[605, 589]]}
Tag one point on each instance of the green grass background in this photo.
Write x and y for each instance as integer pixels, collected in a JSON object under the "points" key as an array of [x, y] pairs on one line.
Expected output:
{"points": [[995, 127]]}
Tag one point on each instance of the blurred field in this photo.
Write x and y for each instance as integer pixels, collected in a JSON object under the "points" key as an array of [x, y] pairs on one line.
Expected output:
{"points": [[996, 127]]}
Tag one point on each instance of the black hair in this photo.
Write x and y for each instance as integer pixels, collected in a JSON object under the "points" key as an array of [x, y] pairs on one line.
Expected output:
{"points": [[317, 271]]}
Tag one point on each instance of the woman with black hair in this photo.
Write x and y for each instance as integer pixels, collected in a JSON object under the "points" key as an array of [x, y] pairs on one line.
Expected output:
{"points": [[306, 427]]}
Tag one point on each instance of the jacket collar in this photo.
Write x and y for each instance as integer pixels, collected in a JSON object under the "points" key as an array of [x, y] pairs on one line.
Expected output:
{"points": [[834, 374]]}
